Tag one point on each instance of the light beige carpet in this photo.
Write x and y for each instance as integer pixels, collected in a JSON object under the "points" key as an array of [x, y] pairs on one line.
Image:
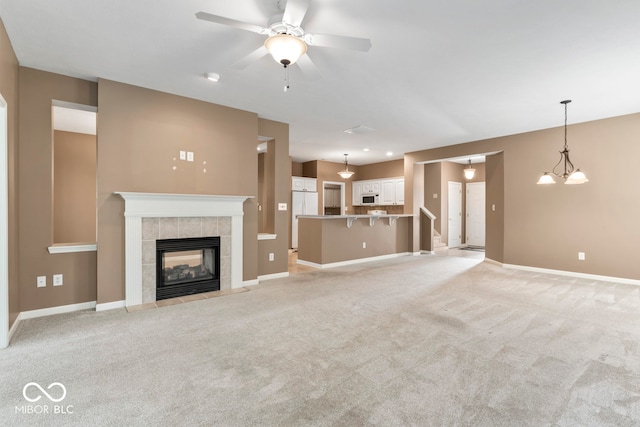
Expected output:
{"points": [[429, 340]]}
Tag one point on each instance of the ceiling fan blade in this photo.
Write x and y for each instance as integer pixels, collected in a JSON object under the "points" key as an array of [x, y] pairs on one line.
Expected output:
{"points": [[231, 23], [308, 68], [344, 42], [294, 11], [250, 58]]}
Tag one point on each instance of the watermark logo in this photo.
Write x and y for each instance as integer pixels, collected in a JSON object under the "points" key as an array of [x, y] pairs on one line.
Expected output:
{"points": [[43, 391], [55, 392]]}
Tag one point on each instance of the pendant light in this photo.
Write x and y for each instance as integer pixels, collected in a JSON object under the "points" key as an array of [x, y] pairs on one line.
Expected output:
{"points": [[570, 173], [346, 173], [469, 172]]}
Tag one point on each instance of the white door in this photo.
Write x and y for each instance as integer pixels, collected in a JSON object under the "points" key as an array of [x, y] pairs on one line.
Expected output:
{"points": [[455, 215], [475, 214]]}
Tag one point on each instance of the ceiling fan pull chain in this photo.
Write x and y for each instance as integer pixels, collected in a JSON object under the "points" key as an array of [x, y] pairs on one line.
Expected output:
{"points": [[286, 78]]}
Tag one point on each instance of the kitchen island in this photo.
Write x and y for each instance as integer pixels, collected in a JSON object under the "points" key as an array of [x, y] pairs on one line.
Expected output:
{"points": [[334, 240]]}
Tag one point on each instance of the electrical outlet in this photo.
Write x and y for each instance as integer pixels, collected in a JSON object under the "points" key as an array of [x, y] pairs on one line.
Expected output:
{"points": [[364, 245], [189, 156], [41, 281], [272, 257], [581, 256], [57, 280]]}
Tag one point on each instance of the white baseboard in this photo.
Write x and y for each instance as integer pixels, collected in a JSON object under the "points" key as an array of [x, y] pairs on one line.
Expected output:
{"points": [[575, 274], [273, 276], [252, 282], [57, 310], [111, 305], [353, 261]]}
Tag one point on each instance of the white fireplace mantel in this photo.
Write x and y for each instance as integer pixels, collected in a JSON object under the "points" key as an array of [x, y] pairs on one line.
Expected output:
{"points": [[154, 205]]}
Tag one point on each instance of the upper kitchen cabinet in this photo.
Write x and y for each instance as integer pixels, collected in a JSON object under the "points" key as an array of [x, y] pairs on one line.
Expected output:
{"points": [[303, 184], [392, 191]]}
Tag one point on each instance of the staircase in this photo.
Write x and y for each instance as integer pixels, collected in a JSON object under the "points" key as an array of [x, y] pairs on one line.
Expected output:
{"points": [[437, 242]]}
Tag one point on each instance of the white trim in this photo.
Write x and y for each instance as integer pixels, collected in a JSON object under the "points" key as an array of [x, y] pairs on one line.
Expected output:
{"points": [[564, 273], [159, 205], [273, 276], [4, 224], [573, 274], [354, 261], [267, 236], [69, 248], [111, 305], [14, 327], [252, 282], [57, 310]]}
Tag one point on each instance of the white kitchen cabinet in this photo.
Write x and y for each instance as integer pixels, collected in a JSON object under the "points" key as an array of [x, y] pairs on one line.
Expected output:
{"points": [[392, 192], [356, 191], [370, 186], [299, 183]]}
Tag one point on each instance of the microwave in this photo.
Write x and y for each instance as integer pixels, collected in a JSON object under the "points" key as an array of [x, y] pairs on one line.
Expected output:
{"points": [[370, 199]]}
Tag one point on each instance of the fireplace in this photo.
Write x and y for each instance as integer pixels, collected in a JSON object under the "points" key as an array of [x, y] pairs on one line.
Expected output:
{"points": [[187, 266]]}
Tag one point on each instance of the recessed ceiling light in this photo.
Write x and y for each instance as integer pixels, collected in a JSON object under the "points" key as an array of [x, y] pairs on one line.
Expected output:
{"points": [[365, 149], [214, 77], [389, 153]]}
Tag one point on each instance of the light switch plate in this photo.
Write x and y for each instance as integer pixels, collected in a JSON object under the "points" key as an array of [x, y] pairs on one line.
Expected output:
{"points": [[183, 155], [189, 156], [57, 280], [282, 206], [41, 282]]}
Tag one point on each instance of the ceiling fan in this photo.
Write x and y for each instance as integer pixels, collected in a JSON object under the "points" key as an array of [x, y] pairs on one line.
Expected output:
{"points": [[286, 40]]}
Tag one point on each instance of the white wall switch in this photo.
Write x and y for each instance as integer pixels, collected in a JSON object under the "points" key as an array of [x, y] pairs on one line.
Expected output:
{"points": [[435, 195], [581, 256], [183, 155], [271, 256], [189, 156], [42, 281], [282, 206], [57, 280], [364, 245]]}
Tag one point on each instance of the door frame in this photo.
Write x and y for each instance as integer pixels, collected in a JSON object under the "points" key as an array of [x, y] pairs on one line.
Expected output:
{"points": [[449, 198], [342, 195], [4, 224]]}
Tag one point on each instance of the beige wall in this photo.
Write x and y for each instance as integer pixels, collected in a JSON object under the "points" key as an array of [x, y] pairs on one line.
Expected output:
{"points": [[9, 90], [390, 169], [37, 90], [280, 192], [140, 132], [546, 226], [326, 241], [74, 192]]}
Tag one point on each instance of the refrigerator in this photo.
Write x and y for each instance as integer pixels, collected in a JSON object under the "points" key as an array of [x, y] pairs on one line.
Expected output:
{"points": [[302, 203]]}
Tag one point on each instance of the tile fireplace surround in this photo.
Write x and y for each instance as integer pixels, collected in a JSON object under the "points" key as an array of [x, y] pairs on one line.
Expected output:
{"points": [[149, 216]]}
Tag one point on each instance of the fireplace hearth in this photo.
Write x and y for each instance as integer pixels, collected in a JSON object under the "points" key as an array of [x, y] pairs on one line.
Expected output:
{"points": [[187, 266]]}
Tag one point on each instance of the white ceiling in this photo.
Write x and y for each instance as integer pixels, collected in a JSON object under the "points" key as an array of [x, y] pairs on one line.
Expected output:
{"points": [[438, 72]]}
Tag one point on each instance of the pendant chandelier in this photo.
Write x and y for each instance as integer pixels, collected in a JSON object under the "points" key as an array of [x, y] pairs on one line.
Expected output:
{"points": [[346, 173], [570, 173], [469, 172]]}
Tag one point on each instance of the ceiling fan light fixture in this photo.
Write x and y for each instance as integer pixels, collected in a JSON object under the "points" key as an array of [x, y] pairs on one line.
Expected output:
{"points": [[285, 48]]}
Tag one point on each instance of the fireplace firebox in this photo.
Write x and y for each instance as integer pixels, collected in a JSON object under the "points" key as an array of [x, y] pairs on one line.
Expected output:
{"points": [[187, 266]]}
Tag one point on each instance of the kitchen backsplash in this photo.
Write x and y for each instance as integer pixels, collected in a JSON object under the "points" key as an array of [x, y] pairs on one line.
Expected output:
{"points": [[392, 209]]}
